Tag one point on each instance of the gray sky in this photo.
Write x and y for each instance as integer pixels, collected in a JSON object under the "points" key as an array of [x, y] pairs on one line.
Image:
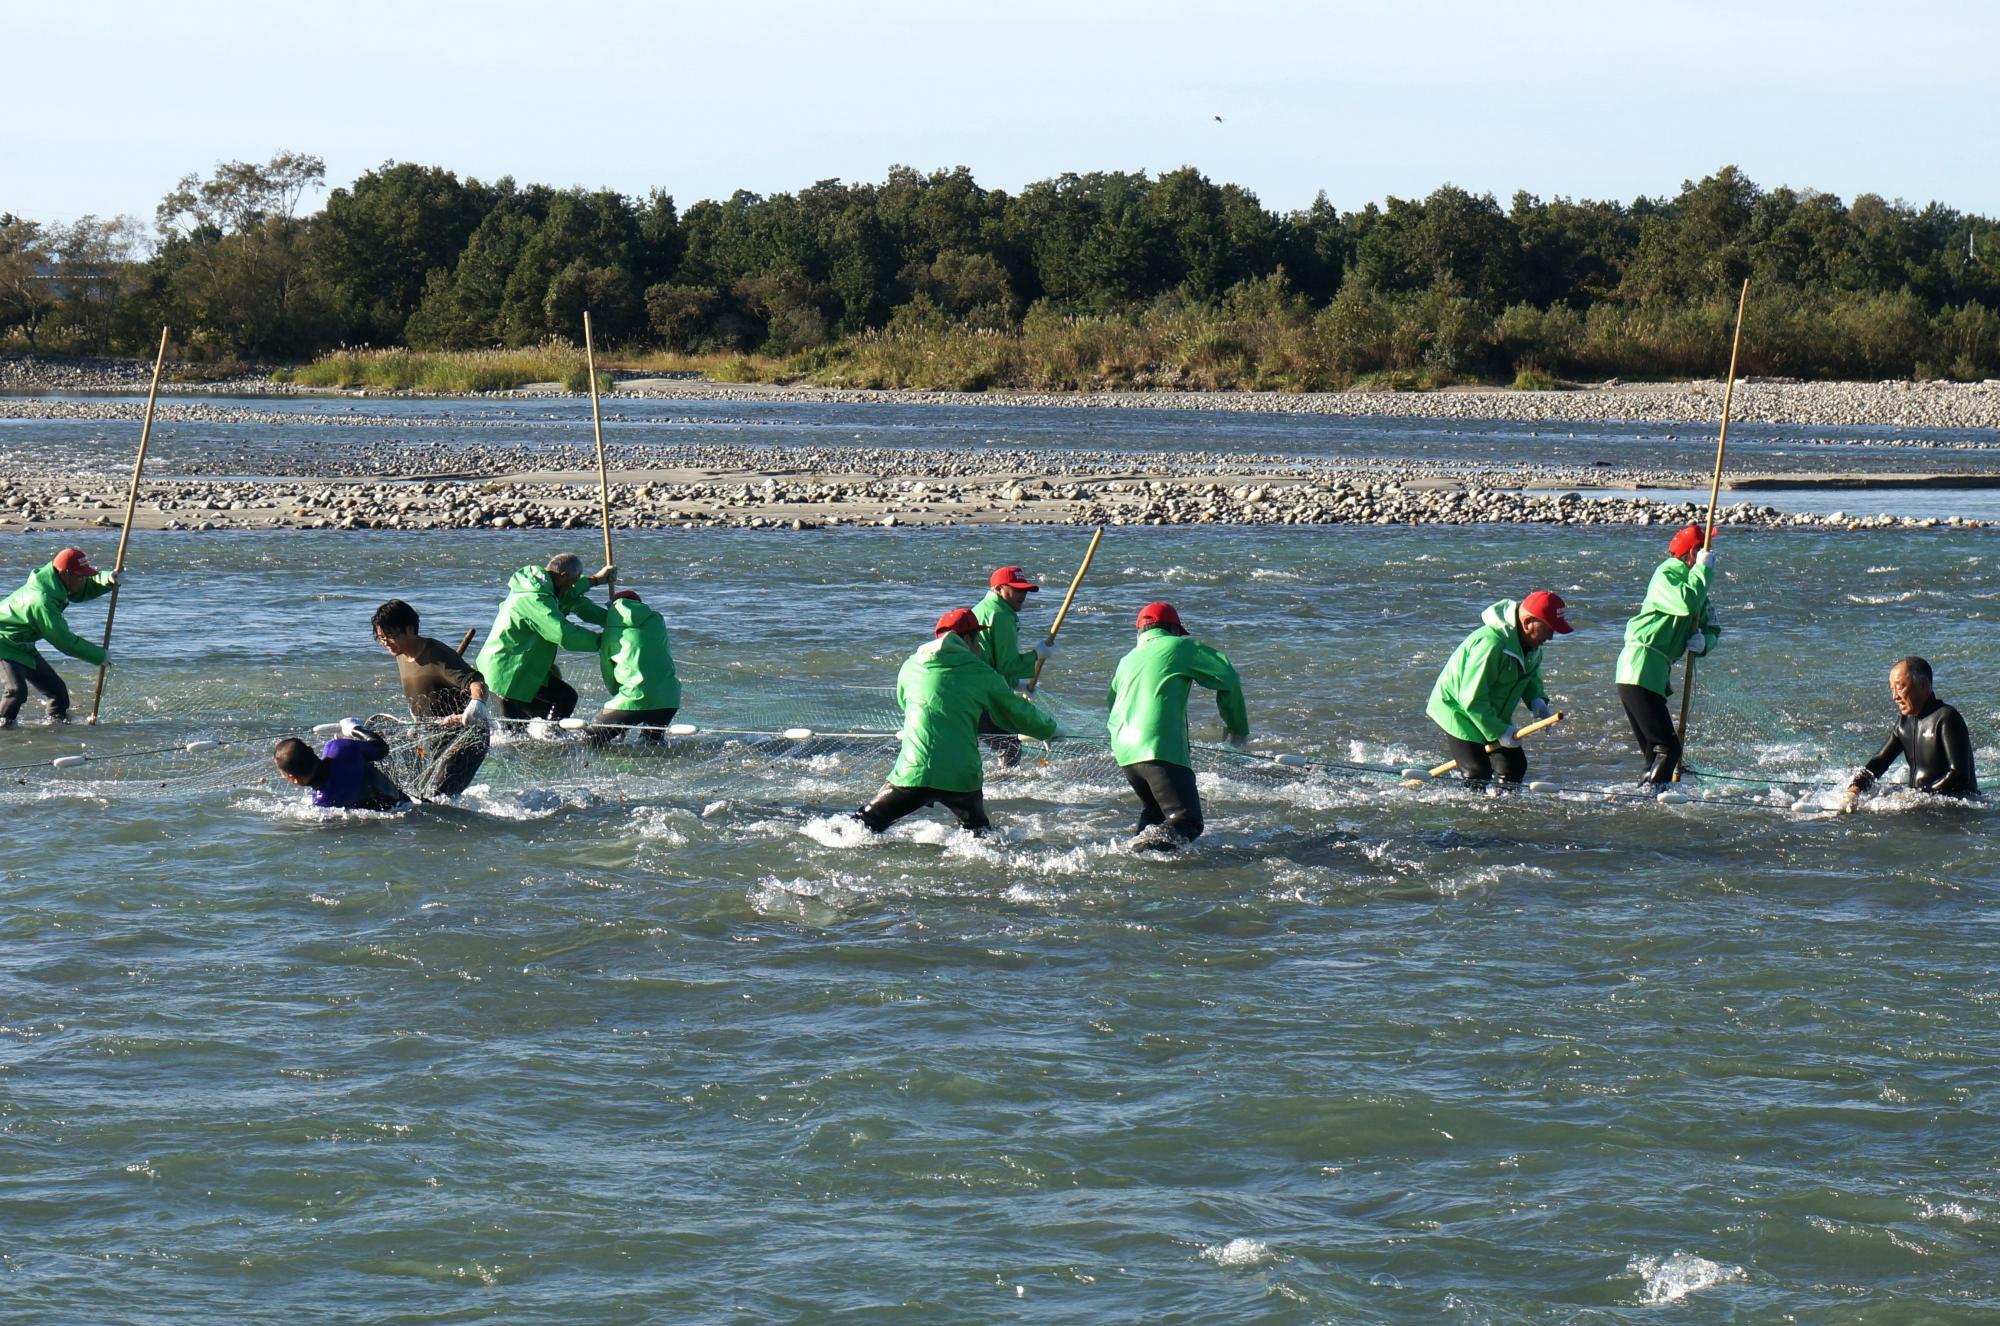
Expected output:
{"points": [[116, 100]]}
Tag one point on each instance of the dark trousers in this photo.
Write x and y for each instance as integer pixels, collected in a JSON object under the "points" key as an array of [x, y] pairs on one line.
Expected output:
{"points": [[15, 681], [1168, 801], [556, 699], [1653, 729], [1005, 746], [451, 758], [893, 803], [1477, 765], [611, 724]]}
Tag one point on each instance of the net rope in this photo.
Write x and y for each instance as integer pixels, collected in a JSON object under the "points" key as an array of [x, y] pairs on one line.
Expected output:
{"points": [[189, 737]]}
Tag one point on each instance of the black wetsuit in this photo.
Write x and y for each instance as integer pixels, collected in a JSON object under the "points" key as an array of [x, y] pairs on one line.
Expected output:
{"points": [[1938, 748]]}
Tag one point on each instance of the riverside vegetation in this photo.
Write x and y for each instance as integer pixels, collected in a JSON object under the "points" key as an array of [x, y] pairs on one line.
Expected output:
{"points": [[1084, 282]]}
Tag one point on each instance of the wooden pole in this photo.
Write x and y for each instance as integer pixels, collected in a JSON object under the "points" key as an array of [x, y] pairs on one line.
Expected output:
{"points": [[1714, 492], [125, 535], [1528, 731], [1063, 612], [597, 428], [465, 641]]}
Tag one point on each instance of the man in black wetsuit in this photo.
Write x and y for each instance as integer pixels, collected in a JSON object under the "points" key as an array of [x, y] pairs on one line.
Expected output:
{"points": [[1930, 735]]}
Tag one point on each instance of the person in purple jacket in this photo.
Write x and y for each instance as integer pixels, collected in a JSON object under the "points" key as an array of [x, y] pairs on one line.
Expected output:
{"points": [[344, 775]]}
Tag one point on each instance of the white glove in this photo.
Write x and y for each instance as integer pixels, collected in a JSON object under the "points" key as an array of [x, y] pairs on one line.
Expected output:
{"points": [[1511, 738], [475, 714], [1044, 649], [1697, 645], [1704, 557], [1540, 707], [1023, 684], [351, 727], [111, 578]]}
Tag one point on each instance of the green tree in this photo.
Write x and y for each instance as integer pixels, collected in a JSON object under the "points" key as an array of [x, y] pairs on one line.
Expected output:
{"points": [[235, 256], [376, 243], [26, 296]]}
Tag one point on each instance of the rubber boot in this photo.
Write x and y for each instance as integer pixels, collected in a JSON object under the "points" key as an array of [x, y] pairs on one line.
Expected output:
{"points": [[1660, 771]]}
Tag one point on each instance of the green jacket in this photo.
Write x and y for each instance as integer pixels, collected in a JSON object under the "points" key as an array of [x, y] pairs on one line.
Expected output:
{"points": [[35, 612], [943, 689], [1149, 697], [532, 624], [1490, 673], [636, 660], [1659, 633], [1000, 642]]}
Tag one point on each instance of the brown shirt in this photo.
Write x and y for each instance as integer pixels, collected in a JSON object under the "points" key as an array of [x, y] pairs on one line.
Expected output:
{"points": [[437, 682]]}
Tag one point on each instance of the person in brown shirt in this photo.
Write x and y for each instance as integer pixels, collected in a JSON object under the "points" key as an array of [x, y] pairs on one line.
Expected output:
{"points": [[445, 694]]}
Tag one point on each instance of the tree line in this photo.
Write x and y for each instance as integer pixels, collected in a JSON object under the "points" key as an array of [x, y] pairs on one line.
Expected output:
{"points": [[1199, 278]]}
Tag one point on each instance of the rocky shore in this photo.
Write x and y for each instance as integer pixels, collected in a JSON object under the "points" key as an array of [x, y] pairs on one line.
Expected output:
{"points": [[688, 500], [405, 465]]}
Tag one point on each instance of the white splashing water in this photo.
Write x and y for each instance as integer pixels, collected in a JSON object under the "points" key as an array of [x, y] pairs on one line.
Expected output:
{"points": [[1674, 1278], [1238, 1252]]}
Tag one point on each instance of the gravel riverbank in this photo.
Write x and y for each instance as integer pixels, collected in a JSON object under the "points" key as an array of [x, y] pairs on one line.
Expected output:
{"points": [[405, 465]]}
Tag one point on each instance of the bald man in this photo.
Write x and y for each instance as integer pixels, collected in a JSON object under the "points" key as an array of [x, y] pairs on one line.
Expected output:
{"points": [[1930, 735]]}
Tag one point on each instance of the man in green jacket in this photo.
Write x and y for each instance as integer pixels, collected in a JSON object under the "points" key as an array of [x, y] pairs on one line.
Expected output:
{"points": [[518, 659], [33, 613], [1494, 670], [637, 663], [944, 689], [1149, 726], [1675, 619], [1000, 645]]}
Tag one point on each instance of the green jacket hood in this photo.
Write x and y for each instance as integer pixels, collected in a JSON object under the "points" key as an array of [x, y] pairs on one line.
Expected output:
{"points": [[1505, 617]]}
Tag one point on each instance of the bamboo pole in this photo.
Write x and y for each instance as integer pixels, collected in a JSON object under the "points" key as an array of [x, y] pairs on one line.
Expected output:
{"points": [[1714, 493], [125, 535], [597, 428], [1063, 612], [1528, 731]]}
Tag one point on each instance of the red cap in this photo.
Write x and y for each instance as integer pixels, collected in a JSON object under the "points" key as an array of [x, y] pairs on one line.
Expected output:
{"points": [[632, 594], [1012, 577], [960, 620], [1546, 607], [72, 562], [1158, 614], [1688, 540]]}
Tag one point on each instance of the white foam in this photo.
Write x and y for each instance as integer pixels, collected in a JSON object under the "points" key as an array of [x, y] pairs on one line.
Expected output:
{"points": [[1238, 1252], [1674, 1278], [1955, 1211], [831, 830]]}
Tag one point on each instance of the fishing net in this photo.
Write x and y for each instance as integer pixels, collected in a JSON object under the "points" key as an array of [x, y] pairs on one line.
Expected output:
{"points": [[1807, 712], [186, 737]]}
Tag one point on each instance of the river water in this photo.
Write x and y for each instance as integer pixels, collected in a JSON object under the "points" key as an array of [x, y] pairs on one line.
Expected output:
{"points": [[643, 1041]]}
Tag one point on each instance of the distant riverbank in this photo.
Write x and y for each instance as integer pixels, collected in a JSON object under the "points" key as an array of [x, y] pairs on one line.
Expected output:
{"points": [[1892, 404], [783, 463]]}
